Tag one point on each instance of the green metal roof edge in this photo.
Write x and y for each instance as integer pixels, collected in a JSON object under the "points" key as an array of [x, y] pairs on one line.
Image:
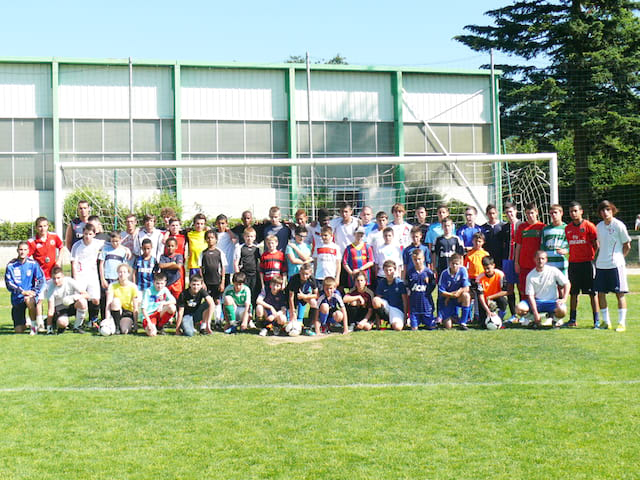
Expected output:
{"points": [[241, 65]]}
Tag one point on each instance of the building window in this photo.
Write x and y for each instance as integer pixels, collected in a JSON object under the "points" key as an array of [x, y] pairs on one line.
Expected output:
{"points": [[26, 154]]}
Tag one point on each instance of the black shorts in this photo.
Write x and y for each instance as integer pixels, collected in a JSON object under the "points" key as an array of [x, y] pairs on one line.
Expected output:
{"points": [[356, 314], [214, 290], [126, 313], [581, 276], [18, 313], [61, 310]]}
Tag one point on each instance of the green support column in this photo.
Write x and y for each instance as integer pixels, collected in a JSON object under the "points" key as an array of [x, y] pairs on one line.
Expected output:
{"points": [[399, 178], [58, 200], [177, 127], [290, 86]]}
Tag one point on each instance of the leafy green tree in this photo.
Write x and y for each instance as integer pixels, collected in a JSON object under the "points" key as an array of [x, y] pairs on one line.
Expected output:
{"points": [[336, 60], [575, 78]]}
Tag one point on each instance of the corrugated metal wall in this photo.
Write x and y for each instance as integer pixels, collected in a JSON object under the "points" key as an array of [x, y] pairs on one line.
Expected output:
{"points": [[227, 94], [88, 91], [25, 90], [446, 99], [336, 95]]}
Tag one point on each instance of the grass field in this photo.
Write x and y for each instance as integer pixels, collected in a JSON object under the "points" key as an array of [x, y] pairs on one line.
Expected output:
{"points": [[509, 404]]}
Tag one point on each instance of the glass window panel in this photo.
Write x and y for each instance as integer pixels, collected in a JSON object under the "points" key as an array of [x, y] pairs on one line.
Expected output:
{"points": [[27, 135], [168, 136], [48, 134], [441, 139], [231, 137], [48, 172], [338, 138], [363, 137], [185, 136], [203, 136], [146, 135], [461, 138], [116, 136], [483, 138], [66, 135], [280, 138], [414, 138], [5, 136], [258, 137], [303, 137], [6, 171], [25, 172], [386, 138], [88, 136]]}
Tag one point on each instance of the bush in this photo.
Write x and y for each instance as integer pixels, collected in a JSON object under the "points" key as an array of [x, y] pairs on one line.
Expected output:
{"points": [[16, 230]]}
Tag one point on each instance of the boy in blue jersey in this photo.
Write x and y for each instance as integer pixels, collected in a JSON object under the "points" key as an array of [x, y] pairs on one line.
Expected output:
{"points": [[420, 284], [331, 308], [271, 307], [407, 253], [391, 300], [470, 228], [453, 292], [303, 291], [145, 266], [110, 258], [25, 280]]}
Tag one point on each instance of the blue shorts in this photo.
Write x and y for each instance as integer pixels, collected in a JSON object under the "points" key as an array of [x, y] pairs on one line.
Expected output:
{"points": [[448, 310], [422, 318], [509, 269], [546, 306]]}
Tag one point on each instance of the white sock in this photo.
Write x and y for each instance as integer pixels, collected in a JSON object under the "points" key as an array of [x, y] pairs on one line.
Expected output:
{"points": [[79, 318], [39, 321], [622, 316], [604, 316]]}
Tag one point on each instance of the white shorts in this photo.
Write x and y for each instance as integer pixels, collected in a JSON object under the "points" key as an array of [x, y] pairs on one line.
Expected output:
{"points": [[92, 287], [395, 314], [239, 313]]}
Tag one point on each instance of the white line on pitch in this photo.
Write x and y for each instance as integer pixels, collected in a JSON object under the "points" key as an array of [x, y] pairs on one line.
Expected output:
{"points": [[293, 386]]}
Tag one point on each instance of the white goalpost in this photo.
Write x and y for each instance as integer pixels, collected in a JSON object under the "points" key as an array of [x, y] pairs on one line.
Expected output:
{"points": [[229, 184]]}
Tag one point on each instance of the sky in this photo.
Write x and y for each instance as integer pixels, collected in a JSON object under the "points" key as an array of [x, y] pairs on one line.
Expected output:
{"points": [[408, 33]]}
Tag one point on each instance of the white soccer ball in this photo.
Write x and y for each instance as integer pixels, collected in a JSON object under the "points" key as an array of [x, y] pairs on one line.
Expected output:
{"points": [[107, 327], [493, 322], [293, 328]]}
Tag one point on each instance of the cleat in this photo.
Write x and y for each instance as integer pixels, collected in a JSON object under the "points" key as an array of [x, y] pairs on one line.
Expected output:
{"points": [[78, 330], [603, 326], [263, 332], [621, 328], [571, 324], [463, 326], [231, 329]]}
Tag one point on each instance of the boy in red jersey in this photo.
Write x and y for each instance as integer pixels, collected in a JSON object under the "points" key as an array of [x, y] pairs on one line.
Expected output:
{"points": [[358, 258], [582, 236], [175, 230], [272, 261], [527, 244], [45, 247]]}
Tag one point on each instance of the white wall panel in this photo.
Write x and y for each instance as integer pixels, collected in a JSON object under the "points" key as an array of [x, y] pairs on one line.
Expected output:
{"points": [[335, 95], [88, 91], [25, 91], [223, 94], [446, 99]]}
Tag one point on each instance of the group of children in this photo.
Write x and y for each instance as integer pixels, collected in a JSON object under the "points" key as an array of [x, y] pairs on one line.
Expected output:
{"points": [[345, 273]]}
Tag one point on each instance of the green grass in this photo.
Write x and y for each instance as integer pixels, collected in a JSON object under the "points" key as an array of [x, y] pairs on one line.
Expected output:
{"points": [[507, 404]]}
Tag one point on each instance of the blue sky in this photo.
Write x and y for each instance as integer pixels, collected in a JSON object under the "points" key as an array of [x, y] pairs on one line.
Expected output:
{"points": [[408, 33]]}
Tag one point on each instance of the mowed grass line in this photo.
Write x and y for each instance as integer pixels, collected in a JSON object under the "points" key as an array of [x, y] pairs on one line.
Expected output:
{"points": [[507, 404]]}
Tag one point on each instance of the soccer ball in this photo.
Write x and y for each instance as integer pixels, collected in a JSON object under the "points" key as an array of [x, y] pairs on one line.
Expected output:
{"points": [[493, 322], [107, 327], [293, 328], [522, 308]]}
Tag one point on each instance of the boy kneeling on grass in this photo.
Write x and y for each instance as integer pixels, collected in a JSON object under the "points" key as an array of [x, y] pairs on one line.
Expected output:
{"points": [[391, 301], [359, 304], [195, 305], [237, 304], [158, 306], [331, 308], [66, 299], [303, 291], [453, 292], [271, 307]]}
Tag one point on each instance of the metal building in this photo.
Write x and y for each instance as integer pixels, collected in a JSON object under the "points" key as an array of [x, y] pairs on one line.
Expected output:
{"points": [[61, 110]]}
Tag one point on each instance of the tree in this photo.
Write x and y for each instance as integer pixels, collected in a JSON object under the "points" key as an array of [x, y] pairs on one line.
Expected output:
{"points": [[337, 60], [576, 79]]}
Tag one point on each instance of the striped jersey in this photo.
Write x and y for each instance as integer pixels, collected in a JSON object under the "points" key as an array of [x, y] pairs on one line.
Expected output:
{"points": [[552, 239], [356, 257]]}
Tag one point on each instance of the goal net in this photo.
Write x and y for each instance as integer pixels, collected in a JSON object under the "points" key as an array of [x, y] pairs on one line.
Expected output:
{"points": [[233, 185]]}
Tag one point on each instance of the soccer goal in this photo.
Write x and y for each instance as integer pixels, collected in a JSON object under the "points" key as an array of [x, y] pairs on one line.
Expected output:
{"points": [[231, 185]]}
